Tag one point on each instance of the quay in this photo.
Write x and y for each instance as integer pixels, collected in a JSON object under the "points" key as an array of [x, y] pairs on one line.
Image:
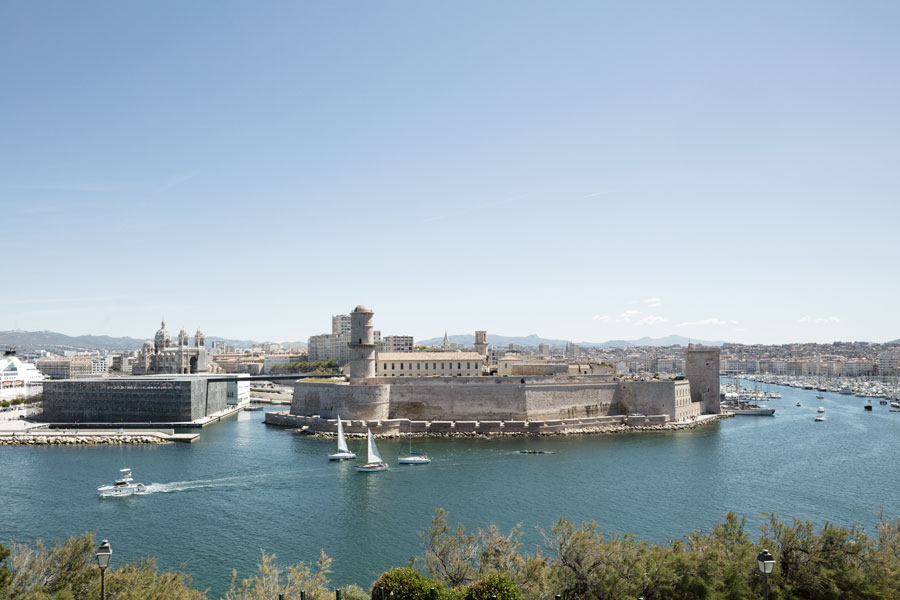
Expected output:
{"points": [[64, 437], [195, 424], [393, 428]]}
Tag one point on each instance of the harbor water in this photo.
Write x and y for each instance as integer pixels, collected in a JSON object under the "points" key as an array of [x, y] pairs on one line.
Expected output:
{"points": [[244, 486]]}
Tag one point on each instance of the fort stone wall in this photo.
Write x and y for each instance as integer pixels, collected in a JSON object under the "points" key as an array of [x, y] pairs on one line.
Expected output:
{"points": [[367, 402], [470, 398], [646, 397], [558, 400]]}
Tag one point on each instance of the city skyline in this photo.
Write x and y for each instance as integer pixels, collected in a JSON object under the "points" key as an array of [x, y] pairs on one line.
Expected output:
{"points": [[578, 171]]}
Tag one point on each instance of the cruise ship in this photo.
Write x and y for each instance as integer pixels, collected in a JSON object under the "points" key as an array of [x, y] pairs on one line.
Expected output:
{"points": [[18, 378]]}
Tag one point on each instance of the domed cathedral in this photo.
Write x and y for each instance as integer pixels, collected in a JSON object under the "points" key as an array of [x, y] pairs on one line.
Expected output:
{"points": [[162, 357]]}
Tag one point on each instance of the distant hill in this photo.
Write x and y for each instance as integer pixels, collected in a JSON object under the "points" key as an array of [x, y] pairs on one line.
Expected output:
{"points": [[534, 340], [48, 340], [247, 343], [30, 340]]}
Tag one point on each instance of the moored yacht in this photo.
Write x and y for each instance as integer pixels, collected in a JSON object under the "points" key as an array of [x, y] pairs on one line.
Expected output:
{"points": [[413, 458], [123, 486]]}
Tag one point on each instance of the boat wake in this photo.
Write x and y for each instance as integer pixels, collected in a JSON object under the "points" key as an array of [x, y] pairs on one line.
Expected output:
{"points": [[183, 486]]}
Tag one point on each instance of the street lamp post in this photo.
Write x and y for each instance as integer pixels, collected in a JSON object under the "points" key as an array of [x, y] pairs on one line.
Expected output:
{"points": [[765, 562], [104, 552]]}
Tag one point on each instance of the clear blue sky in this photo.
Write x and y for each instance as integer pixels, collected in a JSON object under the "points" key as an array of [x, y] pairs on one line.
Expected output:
{"points": [[580, 170]]}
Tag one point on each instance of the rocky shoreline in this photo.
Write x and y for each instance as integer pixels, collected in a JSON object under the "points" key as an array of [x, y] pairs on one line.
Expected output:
{"points": [[30, 439]]}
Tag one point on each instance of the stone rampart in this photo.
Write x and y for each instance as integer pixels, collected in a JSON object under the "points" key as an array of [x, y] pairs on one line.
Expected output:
{"points": [[569, 400], [329, 400], [473, 399], [485, 398]]}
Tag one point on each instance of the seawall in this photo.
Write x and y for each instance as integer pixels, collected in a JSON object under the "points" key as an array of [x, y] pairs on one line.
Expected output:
{"points": [[399, 427]]}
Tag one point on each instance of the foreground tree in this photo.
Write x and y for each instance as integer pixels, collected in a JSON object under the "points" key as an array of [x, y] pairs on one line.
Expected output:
{"points": [[68, 571], [273, 580]]}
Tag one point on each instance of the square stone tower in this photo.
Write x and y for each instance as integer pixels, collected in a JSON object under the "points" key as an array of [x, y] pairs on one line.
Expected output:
{"points": [[481, 342], [701, 366]]}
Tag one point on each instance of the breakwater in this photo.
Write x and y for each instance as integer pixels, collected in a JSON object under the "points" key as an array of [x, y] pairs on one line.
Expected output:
{"points": [[393, 428], [71, 440], [69, 437]]}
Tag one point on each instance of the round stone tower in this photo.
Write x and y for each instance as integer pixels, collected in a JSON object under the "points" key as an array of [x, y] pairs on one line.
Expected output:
{"points": [[362, 344]]}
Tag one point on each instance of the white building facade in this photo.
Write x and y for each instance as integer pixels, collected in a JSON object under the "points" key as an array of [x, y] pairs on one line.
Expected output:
{"points": [[428, 364]]}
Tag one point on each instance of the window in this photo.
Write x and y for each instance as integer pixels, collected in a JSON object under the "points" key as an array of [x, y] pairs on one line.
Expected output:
{"points": [[401, 366], [459, 365], [393, 365]]}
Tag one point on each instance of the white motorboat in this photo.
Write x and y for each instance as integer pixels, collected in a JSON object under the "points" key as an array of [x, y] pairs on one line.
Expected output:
{"points": [[343, 452], [820, 418], [374, 461], [413, 458], [123, 486], [821, 409], [820, 396]]}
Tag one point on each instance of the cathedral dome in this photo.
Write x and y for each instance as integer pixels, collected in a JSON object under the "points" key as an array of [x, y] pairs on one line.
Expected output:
{"points": [[162, 339]]}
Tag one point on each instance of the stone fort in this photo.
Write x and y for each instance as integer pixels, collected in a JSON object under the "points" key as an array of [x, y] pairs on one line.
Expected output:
{"points": [[483, 404]]}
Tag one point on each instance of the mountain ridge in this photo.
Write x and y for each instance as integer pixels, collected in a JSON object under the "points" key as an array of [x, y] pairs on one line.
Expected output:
{"points": [[533, 340], [26, 340]]}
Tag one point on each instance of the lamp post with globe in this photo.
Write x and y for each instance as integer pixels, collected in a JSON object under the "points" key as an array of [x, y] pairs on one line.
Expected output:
{"points": [[104, 553], [765, 562]]}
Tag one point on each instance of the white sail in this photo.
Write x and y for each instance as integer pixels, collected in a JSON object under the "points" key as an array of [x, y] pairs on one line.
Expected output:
{"points": [[374, 457], [342, 441]]}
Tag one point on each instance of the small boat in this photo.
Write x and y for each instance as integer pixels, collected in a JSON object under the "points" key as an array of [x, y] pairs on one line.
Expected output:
{"points": [[820, 396], [895, 403], [820, 418], [536, 452], [374, 461], [122, 487], [868, 406], [413, 458], [821, 409], [798, 404], [343, 452]]}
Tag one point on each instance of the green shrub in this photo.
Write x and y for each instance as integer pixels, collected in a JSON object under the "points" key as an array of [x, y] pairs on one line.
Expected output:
{"points": [[353, 592], [495, 584], [404, 583]]}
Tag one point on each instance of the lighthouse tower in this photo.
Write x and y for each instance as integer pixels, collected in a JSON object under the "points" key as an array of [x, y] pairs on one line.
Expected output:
{"points": [[362, 345]]}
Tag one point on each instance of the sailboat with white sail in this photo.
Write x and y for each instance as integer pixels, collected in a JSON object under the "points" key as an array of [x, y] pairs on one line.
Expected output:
{"points": [[374, 461], [343, 452], [413, 458]]}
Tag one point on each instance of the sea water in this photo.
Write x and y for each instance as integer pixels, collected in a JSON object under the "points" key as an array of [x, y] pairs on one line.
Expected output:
{"points": [[244, 486]]}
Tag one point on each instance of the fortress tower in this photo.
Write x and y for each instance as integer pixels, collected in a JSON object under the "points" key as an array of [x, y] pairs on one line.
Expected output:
{"points": [[701, 366], [362, 345], [481, 342]]}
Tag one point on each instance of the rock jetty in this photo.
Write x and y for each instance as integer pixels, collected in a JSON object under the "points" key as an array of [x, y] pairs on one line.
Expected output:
{"points": [[68, 439], [472, 429]]}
